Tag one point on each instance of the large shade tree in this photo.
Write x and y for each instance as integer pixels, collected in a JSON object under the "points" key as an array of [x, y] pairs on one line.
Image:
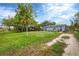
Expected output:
{"points": [[23, 18]]}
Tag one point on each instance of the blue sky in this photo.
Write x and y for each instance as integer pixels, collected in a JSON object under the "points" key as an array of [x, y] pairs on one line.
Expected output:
{"points": [[59, 13]]}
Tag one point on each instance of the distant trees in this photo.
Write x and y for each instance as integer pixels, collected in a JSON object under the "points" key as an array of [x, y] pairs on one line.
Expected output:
{"points": [[8, 22], [47, 23]]}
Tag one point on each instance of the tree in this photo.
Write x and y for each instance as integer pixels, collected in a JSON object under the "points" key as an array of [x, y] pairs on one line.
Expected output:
{"points": [[72, 25], [25, 14], [47, 23], [24, 17], [75, 22], [8, 22]]}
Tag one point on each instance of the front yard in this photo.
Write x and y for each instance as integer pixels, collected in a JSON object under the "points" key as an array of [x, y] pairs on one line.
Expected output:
{"points": [[9, 41]]}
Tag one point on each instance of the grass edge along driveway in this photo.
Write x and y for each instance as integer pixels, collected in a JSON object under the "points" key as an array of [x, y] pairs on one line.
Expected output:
{"points": [[76, 34]]}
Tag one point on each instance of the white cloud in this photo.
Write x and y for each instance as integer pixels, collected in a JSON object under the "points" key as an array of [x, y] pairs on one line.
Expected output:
{"points": [[59, 12], [5, 12]]}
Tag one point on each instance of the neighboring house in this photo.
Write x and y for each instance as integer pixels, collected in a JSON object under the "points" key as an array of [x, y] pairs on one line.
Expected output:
{"points": [[54, 28], [6, 27]]}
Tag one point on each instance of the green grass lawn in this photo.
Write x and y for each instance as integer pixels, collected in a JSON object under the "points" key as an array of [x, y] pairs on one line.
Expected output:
{"points": [[10, 41], [77, 35]]}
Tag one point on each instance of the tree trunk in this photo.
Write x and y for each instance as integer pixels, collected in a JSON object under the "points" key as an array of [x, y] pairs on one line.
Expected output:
{"points": [[9, 28], [26, 28]]}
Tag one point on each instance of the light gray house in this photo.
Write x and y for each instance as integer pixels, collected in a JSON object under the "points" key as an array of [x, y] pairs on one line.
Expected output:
{"points": [[6, 27], [54, 28]]}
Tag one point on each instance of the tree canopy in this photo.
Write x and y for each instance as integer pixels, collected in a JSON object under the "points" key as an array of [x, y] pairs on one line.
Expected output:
{"points": [[24, 17], [47, 23], [75, 22]]}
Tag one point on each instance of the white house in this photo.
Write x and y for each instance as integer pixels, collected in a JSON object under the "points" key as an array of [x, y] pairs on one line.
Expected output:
{"points": [[6, 27], [54, 28]]}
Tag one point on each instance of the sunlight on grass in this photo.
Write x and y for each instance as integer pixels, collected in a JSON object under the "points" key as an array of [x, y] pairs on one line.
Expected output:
{"points": [[12, 41]]}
